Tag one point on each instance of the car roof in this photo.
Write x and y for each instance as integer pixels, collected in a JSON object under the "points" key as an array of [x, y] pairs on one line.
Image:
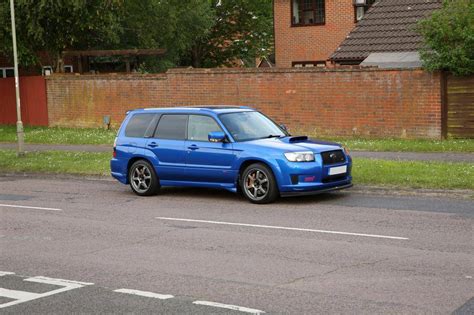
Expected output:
{"points": [[197, 109]]}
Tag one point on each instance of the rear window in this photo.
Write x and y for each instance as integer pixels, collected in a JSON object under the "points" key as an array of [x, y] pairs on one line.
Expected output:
{"points": [[141, 125], [172, 127]]}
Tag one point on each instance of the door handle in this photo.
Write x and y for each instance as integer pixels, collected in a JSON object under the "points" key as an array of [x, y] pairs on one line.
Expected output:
{"points": [[153, 145], [193, 147]]}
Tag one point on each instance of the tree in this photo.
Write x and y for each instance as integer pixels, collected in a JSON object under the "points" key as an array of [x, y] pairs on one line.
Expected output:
{"points": [[54, 26], [199, 33], [242, 29], [449, 38], [170, 24]]}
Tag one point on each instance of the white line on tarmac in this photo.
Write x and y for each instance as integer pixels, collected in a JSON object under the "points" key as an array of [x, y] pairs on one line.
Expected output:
{"points": [[29, 207], [230, 307], [284, 228], [145, 294], [58, 282], [23, 296], [6, 273]]}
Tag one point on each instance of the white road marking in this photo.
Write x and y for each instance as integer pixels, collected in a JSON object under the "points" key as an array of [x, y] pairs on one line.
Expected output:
{"points": [[146, 294], [230, 307], [6, 273], [284, 228], [24, 296], [58, 282], [29, 207], [18, 295]]}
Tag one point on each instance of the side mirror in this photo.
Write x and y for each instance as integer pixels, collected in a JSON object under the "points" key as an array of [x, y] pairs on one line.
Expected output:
{"points": [[282, 126], [216, 136]]}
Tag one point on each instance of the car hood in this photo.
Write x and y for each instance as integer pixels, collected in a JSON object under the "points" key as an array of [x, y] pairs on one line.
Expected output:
{"points": [[292, 144]]}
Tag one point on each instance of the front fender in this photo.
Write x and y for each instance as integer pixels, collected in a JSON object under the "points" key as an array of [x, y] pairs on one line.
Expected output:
{"points": [[270, 162]]}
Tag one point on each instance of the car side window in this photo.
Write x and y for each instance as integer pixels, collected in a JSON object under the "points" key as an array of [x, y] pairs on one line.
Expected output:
{"points": [[172, 127], [200, 126], [140, 125]]}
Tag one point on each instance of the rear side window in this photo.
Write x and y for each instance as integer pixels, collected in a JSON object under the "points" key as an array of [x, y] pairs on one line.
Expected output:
{"points": [[199, 127], [172, 127], [141, 125]]}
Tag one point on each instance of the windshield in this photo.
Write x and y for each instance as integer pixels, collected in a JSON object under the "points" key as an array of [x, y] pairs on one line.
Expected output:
{"points": [[244, 126]]}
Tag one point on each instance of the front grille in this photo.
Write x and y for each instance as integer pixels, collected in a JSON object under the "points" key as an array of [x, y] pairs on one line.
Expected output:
{"points": [[333, 157], [334, 178]]}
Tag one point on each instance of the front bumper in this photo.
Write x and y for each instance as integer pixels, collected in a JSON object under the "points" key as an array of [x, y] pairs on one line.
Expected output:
{"points": [[320, 190]]}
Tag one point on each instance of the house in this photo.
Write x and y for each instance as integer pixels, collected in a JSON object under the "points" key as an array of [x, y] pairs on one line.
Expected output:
{"points": [[307, 32], [312, 33], [386, 35]]}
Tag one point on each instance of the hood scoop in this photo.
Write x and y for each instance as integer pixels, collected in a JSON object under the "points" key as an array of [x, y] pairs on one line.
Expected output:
{"points": [[297, 139]]}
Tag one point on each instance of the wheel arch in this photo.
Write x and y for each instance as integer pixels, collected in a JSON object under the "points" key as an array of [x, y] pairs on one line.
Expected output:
{"points": [[245, 163], [135, 159]]}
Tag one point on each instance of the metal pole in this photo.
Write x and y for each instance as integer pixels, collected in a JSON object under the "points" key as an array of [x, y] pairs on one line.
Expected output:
{"points": [[19, 125]]}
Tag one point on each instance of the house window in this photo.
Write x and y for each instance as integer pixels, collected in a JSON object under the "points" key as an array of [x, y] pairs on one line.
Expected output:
{"points": [[68, 69], [7, 72], [308, 12], [309, 64]]}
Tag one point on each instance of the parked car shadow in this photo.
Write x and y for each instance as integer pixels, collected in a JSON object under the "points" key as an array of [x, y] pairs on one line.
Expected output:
{"points": [[224, 195]]}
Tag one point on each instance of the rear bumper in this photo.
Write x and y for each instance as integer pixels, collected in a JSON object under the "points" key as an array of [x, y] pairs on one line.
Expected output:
{"points": [[317, 191]]}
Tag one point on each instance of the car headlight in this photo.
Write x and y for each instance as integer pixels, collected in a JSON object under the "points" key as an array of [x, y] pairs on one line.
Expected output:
{"points": [[346, 150], [300, 156]]}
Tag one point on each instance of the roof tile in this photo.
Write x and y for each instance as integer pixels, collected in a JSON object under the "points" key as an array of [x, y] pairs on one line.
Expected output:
{"points": [[388, 26]]}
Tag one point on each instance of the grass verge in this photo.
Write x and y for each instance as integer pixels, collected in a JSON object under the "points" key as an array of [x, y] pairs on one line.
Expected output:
{"points": [[56, 162], [414, 174], [401, 174], [404, 145], [56, 135]]}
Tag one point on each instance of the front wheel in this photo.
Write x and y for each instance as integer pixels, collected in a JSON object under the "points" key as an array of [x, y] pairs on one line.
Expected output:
{"points": [[258, 184], [143, 179]]}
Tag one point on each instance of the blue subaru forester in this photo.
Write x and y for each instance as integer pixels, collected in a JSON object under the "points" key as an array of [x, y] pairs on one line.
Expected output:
{"points": [[235, 148]]}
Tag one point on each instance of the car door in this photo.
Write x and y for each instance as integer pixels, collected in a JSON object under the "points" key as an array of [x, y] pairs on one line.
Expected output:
{"points": [[167, 144], [206, 161]]}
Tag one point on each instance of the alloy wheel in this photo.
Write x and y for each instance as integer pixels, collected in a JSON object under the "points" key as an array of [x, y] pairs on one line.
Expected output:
{"points": [[257, 184], [141, 178]]}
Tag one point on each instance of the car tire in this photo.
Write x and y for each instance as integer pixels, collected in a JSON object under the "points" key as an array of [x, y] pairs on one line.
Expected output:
{"points": [[258, 184], [143, 179]]}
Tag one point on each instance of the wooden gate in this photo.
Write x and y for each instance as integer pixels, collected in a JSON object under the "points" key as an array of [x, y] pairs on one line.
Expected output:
{"points": [[34, 109], [460, 106]]}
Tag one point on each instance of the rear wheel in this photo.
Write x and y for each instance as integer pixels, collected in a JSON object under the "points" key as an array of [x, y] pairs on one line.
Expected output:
{"points": [[143, 179], [258, 184]]}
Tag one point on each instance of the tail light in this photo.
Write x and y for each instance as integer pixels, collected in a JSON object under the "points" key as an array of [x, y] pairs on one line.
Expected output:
{"points": [[115, 148]]}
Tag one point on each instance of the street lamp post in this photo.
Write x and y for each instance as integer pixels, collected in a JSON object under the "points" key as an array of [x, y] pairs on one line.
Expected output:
{"points": [[19, 123]]}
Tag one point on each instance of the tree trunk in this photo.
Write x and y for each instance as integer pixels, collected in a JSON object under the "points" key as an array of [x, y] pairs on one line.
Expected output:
{"points": [[196, 56], [59, 63]]}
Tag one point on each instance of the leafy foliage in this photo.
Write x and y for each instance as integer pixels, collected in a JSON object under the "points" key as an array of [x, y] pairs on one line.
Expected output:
{"points": [[242, 29], [53, 26], [449, 38], [170, 24], [199, 33]]}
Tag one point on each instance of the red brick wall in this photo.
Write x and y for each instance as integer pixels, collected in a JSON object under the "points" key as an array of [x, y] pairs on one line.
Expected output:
{"points": [[311, 43], [337, 102]]}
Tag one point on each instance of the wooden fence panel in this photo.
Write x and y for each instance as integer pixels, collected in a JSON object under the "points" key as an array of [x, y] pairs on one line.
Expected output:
{"points": [[460, 98], [34, 107]]}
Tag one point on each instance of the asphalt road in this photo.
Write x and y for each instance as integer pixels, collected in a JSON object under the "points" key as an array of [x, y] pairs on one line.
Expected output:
{"points": [[204, 251]]}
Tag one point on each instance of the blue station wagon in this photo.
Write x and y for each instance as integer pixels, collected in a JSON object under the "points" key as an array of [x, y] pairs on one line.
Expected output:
{"points": [[234, 148]]}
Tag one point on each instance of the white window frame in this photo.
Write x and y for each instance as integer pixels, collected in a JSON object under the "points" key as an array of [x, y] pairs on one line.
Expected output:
{"points": [[71, 67], [4, 71], [43, 70]]}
